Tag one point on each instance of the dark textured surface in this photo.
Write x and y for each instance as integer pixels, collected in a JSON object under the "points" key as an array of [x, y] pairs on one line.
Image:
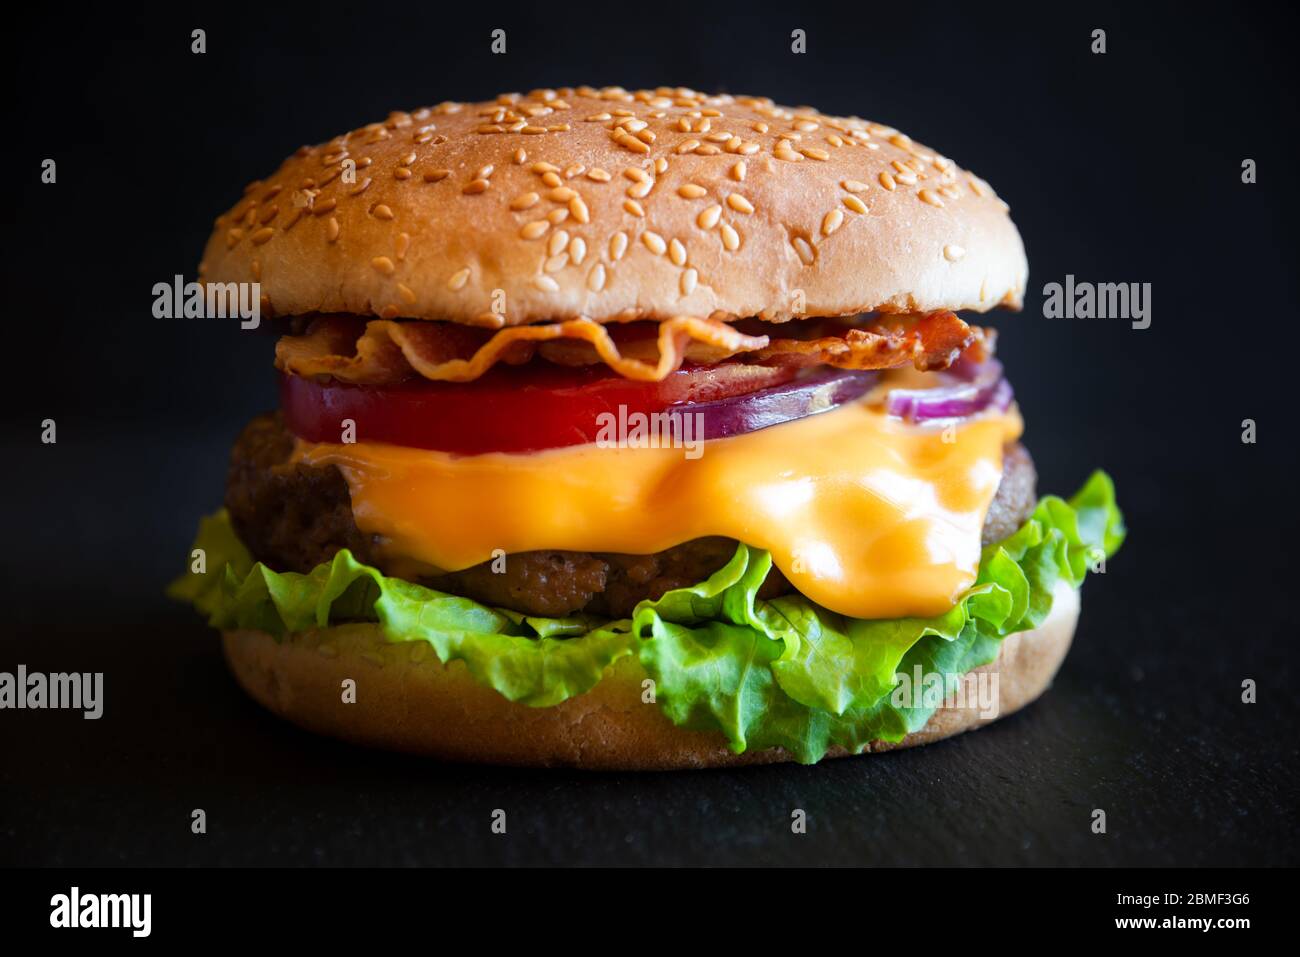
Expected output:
{"points": [[1122, 168]]}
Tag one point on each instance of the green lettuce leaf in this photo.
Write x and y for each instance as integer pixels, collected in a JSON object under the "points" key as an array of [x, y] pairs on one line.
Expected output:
{"points": [[779, 673], [528, 660]]}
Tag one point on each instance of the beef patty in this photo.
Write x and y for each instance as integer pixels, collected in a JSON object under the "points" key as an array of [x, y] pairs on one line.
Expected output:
{"points": [[294, 517]]}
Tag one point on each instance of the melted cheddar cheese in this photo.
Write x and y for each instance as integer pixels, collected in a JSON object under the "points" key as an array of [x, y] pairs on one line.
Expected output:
{"points": [[866, 515]]}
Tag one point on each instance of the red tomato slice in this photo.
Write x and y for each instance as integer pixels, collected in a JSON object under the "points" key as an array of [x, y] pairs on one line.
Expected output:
{"points": [[508, 409]]}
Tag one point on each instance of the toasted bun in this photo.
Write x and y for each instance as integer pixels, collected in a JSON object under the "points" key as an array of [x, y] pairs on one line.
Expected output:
{"points": [[616, 205], [407, 701]]}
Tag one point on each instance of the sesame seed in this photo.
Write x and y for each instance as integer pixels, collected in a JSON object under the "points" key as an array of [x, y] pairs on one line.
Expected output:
{"points": [[730, 238], [855, 204], [545, 284], [384, 265], [524, 201], [360, 188], [854, 186], [402, 245], [434, 175], [596, 278], [629, 142], [953, 252], [458, 279], [556, 263], [831, 222], [687, 146], [559, 239], [578, 209], [617, 246], [401, 173], [573, 169], [804, 249], [407, 295], [578, 250], [262, 235], [654, 242], [689, 278], [738, 171], [709, 217], [476, 186], [561, 194], [887, 181], [677, 252], [269, 215], [332, 230], [633, 207], [521, 156], [813, 152], [536, 228], [740, 204], [381, 211], [557, 216], [931, 197], [641, 190], [598, 175], [540, 168]]}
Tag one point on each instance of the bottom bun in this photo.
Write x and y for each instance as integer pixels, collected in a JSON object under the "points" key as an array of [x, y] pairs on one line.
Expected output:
{"points": [[406, 700]]}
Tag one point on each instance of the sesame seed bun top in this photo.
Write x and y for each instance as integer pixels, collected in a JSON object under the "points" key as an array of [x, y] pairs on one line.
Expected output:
{"points": [[618, 205]]}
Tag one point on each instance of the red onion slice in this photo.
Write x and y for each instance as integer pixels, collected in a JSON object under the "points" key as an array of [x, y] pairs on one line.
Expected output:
{"points": [[821, 391], [980, 386]]}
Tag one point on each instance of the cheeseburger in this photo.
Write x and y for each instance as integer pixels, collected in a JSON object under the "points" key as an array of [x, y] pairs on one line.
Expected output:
{"points": [[636, 430]]}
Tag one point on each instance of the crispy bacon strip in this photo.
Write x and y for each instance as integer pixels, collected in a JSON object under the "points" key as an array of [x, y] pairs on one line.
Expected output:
{"points": [[929, 342], [382, 352], [385, 351]]}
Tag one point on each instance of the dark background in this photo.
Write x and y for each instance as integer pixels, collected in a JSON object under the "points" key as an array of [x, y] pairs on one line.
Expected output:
{"points": [[1120, 167]]}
